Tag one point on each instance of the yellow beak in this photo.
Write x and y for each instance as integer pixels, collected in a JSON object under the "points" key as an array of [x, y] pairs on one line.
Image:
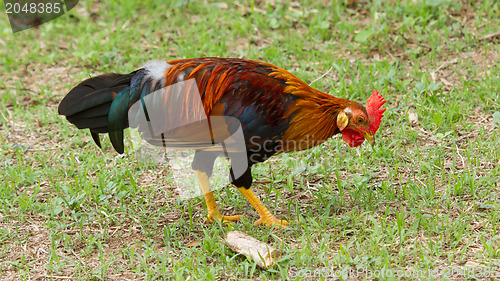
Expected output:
{"points": [[370, 138]]}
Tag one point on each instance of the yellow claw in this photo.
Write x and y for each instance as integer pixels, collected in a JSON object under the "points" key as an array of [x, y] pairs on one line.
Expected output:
{"points": [[222, 218], [212, 210], [266, 217], [271, 221]]}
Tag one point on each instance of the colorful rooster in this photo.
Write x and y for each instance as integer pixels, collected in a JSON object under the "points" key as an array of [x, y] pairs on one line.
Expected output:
{"points": [[276, 111]]}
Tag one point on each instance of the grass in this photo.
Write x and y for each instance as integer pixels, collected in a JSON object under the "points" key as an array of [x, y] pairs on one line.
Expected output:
{"points": [[425, 200]]}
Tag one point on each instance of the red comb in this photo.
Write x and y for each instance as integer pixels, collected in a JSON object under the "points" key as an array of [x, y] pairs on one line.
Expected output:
{"points": [[373, 104]]}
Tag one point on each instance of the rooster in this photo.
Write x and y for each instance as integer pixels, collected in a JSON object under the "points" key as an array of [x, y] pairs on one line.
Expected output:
{"points": [[275, 110]]}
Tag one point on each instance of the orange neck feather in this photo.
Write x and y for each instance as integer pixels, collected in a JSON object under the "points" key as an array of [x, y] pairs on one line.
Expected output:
{"points": [[312, 117]]}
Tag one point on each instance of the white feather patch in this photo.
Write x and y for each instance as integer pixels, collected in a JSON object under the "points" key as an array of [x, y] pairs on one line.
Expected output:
{"points": [[156, 69]]}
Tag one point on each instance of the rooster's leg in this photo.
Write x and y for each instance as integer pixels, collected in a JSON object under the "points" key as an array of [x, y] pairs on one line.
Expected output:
{"points": [[213, 211], [265, 216]]}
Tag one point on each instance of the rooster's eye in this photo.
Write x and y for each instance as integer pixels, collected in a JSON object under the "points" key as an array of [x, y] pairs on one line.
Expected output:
{"points": [[361, 120]]}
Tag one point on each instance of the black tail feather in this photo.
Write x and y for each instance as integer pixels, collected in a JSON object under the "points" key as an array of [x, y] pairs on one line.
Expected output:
{"points": [[101, 103], [95, 137], [97, 111], [87, 105]]}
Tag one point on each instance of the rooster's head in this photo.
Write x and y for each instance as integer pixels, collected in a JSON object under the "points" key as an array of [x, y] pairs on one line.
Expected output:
{"points": [[358, 123]]}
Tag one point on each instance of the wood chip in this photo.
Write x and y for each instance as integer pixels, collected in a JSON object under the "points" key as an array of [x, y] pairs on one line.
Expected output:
{"points": [[221, 5], [258, 251], [413, 118]]}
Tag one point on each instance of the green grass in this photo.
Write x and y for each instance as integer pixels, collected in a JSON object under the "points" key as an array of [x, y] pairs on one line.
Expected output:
{"points": [[425, 199]]}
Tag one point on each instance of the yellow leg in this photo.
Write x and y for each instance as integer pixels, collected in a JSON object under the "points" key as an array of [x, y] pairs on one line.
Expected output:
{"points": [[213, 211], [265, 216]]}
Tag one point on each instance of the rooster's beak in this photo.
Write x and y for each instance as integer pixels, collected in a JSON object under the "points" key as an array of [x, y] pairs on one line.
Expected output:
{"points": [[370, 138]]}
